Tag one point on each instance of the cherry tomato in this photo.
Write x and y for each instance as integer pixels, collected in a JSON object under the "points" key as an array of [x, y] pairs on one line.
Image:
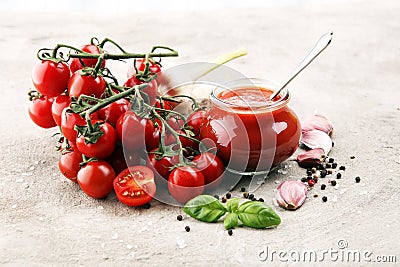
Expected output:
{"points": [[135, 186], [80, 84], [161, 166], [188, 143], [113, 111], [185, 183], [104, 146], [211, 166], [68, 122], [120, 160], [60, 102], [50, 78], [69, 163], [176, 122], [195, 120], [153, 137], [150, 90], [89, 62], [140, 65], [131, 130], [40, 112], [96, 178]]}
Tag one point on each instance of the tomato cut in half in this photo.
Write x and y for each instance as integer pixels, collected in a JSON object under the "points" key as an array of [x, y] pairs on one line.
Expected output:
{"points": [[135, 186]]}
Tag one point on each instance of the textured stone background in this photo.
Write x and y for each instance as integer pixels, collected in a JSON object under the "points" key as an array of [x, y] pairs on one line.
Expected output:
{"points": [[47, 220]]}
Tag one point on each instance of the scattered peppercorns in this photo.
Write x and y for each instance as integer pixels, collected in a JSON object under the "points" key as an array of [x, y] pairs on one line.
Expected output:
{"points": [[261, 199], [352, 157], [358, 179], [331, 160], [230, 232], [324, 199], [228, 195], [179, 217], [323, 173], [323, 186], [334, 165], [314, 170], [338, 176], [187, 228], [223, 199], [251, 196], [243, 189], [342, 168], [328, 165], [333, 182]]}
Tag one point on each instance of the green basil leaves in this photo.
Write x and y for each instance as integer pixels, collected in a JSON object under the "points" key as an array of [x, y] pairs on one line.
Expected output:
{"points": [[252, 214]]}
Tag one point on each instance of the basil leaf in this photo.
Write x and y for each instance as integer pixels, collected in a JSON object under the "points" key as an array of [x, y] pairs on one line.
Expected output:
{"points": [[231, 221], [204, 208], [257, 215], [232, 204]]}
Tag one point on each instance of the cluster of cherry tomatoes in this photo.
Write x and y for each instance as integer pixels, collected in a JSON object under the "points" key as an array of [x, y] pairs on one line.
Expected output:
{"points": [[124, 138]]}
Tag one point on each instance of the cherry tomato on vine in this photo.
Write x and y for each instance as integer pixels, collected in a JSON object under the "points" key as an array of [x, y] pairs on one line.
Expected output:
{"points": [[113, 111], [153, 137], [135, 186], [40, 112], [132, 130], [68, 122], [211, 166], [60, 102], [96, 178], [161, 166], [120, 160], [195, 120], [185, 183], [176, 122], [140, 65], [50, 78], [104, 146], [69, 163], [188, 143], [150, 90], [88, 62], [81, 84]]}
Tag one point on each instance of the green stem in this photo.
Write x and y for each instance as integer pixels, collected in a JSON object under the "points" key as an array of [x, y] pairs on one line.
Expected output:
{"points": [[98, 65], [124, 56], [113, 42]]}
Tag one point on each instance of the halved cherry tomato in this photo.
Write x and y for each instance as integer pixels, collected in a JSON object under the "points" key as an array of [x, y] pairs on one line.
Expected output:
{"points": [[211, 166], [60, 102], [161, 166], [140, 65], [50, 78], [81, 84], [40, 112], [135, 186], [185, 183], [69, 163], [113, 111], [88, 62], [68, 122], [195, 120], [132, 130], [96, 178], [104, 146], [150, 90]]}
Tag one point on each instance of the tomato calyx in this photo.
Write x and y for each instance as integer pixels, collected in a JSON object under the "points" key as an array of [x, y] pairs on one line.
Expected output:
{"points": [[90, 132], [33, 94]]}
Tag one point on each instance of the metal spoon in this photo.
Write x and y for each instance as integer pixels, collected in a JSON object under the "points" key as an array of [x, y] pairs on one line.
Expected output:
{"points": [[320, 46]]}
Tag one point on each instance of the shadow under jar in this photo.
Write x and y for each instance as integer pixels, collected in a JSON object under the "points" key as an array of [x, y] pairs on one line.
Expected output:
{"points": [[251, 132]]}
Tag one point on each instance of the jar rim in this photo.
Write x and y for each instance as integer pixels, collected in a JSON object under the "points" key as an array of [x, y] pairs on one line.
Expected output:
{"points": [[250, 82]]}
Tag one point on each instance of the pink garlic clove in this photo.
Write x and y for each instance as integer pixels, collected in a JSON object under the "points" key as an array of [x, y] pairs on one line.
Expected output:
{"points": [[291, 195], [317, 122], [311, 158], [317, 139]]}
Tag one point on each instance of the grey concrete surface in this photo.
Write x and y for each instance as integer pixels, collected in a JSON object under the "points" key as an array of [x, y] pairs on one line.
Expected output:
{"points": [[46, 220]]}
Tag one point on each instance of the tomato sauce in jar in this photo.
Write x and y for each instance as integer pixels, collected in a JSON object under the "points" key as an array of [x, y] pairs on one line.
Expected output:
{"points": [[251, 132]]}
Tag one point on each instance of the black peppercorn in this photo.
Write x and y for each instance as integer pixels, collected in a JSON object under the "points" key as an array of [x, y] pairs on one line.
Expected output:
{"points": [[179, 217], [315, 195], [328, 165], [228, 195], [187, 228], [242, 189], [230, 232], [334, 165], [251, 196], [323, 186], [323, 173], [358, 179], [333, 182], [309, 172], [216, 196], [261, 199], [309, 178], [331, 160], [223, 200], [304, 179], [342, 168], [324, 199], [352, 157], [338, 176], [146, 206]]}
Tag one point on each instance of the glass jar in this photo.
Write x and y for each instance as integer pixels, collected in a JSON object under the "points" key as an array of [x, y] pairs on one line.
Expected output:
{"points": [[251, 132]]}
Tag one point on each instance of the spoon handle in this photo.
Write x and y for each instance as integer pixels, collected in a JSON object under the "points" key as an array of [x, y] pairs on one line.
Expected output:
{"points": [[320, 46]]}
